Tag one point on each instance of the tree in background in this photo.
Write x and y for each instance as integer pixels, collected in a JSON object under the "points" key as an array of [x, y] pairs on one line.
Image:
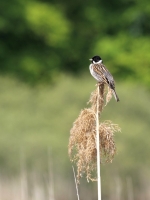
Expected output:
{"points": [[40, 39]]}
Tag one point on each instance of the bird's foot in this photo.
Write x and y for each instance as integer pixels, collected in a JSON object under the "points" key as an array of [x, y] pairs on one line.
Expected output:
{"points": [[99, 84]]}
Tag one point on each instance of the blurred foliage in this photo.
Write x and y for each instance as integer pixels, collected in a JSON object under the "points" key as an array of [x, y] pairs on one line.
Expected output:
{"points": [[41, 38], [37, 119]]}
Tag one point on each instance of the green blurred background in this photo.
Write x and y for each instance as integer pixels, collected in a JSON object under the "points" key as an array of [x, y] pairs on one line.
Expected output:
{"points": [[45, 82]]}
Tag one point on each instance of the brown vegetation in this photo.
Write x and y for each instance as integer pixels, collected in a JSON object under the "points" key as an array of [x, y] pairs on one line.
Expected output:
{"points": [[82, 142]]}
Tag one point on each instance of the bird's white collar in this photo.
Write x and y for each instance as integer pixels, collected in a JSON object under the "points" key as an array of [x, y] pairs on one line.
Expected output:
{"points": [[97, 62]]}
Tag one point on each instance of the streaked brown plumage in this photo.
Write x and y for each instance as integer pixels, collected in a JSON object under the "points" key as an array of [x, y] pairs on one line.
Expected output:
{"points": [[101, 74]]}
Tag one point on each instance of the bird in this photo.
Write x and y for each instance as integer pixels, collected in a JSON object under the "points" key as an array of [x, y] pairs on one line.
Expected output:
{"points": [[102, 75]]}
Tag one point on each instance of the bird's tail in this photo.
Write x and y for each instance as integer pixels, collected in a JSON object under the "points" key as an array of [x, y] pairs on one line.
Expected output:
{"points": [[115, 95]]}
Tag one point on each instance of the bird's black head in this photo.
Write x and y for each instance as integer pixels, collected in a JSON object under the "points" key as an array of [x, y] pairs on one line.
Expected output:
{"points": [[96, 59]]}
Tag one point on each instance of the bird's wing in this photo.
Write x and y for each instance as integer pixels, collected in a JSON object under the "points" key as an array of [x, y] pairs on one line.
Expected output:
{"points": [[101, 71]]}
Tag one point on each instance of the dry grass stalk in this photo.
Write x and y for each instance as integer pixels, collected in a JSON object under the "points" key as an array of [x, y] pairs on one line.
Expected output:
{"points": [[82, 142], [95, 96], [97, 141], [108, 96], [76, 183], [82, 149], [107, 143]]}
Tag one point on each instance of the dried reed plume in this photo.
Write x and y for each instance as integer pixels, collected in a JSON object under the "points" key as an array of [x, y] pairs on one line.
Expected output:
{"points": [[82, 142]]}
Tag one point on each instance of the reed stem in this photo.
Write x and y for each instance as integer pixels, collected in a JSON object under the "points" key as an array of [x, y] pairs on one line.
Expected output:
{"points": [[98, 147]]}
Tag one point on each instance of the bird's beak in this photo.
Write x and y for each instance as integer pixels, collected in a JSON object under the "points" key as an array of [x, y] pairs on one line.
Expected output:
{"points": [[90, 59]]}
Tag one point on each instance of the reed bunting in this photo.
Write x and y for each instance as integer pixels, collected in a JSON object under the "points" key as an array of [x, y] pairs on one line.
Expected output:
{"points": [[101, 74]]}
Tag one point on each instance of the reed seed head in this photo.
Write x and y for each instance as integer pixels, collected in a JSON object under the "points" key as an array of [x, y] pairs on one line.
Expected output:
{"points": [[82, 142], [82, 148]]}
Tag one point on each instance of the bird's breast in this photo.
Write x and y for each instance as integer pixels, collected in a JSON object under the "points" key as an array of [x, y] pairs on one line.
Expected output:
{"points": [[95, 74]]}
